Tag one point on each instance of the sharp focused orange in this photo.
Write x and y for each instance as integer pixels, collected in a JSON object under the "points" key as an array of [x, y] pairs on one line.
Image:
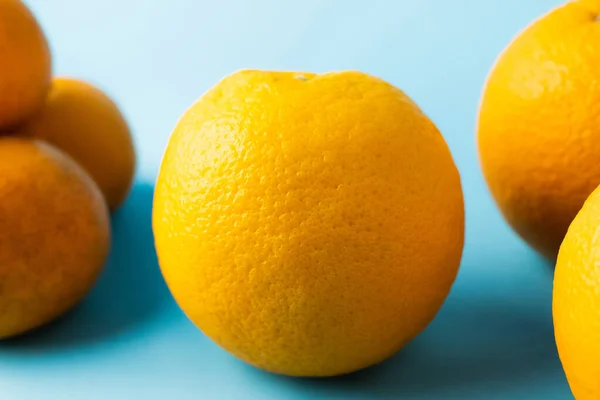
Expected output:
{"points": [[538, 131], [85, 123], [25, 64], [310, 224], [54, 236], [576, 302]]}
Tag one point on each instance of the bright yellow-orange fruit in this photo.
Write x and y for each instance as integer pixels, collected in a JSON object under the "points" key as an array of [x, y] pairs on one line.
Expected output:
{"points": [[25, 64], [54, 235], [310, 224], [85, 123], [538, 131], [576, 301]]}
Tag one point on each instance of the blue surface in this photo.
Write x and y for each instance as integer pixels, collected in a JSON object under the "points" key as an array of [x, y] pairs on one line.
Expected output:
{"points": [[493, 338]]}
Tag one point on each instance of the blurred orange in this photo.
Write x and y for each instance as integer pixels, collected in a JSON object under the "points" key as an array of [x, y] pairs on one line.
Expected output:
{"points": [[25, 64]]}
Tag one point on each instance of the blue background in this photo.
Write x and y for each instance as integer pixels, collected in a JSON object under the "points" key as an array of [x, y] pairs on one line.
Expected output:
{"points": [[493, 338]]}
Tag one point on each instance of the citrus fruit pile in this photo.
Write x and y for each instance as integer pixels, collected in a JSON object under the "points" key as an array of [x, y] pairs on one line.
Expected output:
{"points": [[66, 159], [310, 224]]}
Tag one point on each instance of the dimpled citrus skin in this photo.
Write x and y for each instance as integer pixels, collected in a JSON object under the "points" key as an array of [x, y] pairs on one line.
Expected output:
{"points": [[310, 224], [576, 301], [538, 129], [54, 238], [25, 64], [85, 123]]}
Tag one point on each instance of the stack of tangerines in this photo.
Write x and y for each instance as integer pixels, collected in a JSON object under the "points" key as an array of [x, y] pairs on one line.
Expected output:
{"points": [[66, 160]]}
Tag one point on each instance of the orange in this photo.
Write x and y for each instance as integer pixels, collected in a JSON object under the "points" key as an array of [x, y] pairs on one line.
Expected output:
{"points": [[25, 64], [85, 123], [54, 238], [538, 131], [311, 225], [576, 301]]}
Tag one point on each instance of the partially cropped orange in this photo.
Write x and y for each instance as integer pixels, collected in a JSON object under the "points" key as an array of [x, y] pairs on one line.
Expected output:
{"points": [[54, 236], [576, 302], [310, 224], [25, 64], [538, 131], [84, 122]]}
